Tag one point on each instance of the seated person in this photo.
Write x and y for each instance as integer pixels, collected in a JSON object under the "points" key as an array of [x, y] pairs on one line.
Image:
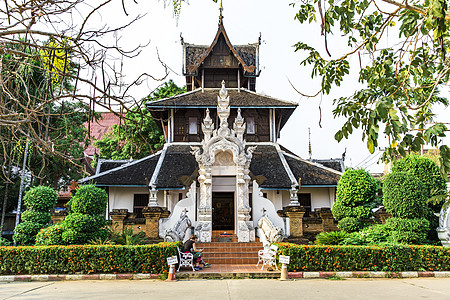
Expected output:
{"points": [[190, 247]]}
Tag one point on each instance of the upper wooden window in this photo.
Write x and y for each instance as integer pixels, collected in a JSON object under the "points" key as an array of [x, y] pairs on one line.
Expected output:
{"points": [[193, 128], [250, 125]]}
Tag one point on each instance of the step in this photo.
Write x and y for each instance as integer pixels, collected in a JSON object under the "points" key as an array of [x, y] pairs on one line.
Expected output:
{"points": [[230, 253], [233, 261]]}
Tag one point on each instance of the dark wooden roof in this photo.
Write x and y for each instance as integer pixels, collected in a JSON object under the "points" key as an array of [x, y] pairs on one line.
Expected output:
{"points": [[135, 173], [178, 168], [105, 165], [267, 165], [333, 163], [178, 164], [208, 98], [312, 173], [195, 55]]}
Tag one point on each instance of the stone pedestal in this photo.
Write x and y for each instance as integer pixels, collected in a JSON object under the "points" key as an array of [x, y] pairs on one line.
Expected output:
{"points": [[327, 219], [117, 216], [295, 215], [58, 216], [152, 216]]}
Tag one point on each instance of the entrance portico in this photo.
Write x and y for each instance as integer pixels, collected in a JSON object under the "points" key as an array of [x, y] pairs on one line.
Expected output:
{"points": [[223, 152]]}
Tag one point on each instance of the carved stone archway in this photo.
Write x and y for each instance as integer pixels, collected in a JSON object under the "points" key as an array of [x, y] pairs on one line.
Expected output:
{"points": [[215, 142]]}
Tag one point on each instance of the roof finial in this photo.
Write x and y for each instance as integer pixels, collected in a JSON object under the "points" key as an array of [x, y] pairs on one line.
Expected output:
{"points": [[220, 10]]}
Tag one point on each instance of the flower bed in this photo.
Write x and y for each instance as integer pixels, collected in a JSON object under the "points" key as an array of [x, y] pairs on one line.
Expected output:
{"points": [[366, 258], [86, 259]]}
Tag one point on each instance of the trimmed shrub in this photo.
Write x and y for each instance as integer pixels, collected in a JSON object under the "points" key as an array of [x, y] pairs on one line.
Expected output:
{"points": [[407, 231], [340, 211], [392, 258], [89, 200], [330, 238], [356, 190], [50, 236], [404, 195], [425, 169], [86, 259], [36, 216], [25, 232], [39, 201], [85, 222], [40, 198], [356, 187], [349, 224], [373, 235]]}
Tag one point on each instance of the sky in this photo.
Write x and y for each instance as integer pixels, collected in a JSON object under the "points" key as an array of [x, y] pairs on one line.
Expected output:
{"points": [[244, 21]]}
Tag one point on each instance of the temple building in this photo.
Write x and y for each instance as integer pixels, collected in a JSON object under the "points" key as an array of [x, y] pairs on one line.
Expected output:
{"points": [[221, 168]]}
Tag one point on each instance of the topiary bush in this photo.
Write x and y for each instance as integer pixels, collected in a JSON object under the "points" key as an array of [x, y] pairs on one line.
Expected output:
{"points": [[36, 216], [51, 235], [404, 195], [407, 231], [350, 224], [40, 198], [425, 170], [428, 172], [39, 201], [85, 222], [356, 187], [356, 190], [89, 200]]}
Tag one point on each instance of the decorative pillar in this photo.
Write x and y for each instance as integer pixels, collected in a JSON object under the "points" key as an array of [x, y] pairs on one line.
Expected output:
{"points": [[152, 215], [295, 215], [118, 216], [204, 225], [327, 219], [58, 216]]}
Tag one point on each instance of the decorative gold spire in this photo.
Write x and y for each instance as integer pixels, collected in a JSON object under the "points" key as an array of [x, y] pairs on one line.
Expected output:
{"points": [[220, 10]]}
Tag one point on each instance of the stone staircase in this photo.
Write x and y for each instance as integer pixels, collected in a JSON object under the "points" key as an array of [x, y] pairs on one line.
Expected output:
{"points": [[227, 250]]}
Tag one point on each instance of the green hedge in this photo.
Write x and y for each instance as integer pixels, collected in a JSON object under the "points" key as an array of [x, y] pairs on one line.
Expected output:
{"points": [[366, 258], [86, 259]]}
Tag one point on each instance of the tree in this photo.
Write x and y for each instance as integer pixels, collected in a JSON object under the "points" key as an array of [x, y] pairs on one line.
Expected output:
{"points": [[54, 54], [139, 135], [402, 80], [355, 191]]}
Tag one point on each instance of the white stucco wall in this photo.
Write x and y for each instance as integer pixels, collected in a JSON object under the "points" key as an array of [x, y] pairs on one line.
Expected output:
{"points": [[320, 196], [123, 197]]}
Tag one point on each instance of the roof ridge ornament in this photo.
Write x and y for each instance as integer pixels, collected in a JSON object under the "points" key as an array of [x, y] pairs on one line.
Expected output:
{"points": [[220, 13]]}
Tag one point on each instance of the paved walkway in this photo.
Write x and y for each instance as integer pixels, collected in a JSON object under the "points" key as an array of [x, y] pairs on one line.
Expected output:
{"points": [[415, 288]]}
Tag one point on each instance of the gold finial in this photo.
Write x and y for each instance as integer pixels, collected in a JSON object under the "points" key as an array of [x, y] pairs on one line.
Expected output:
{"points": [[220, 10]]}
